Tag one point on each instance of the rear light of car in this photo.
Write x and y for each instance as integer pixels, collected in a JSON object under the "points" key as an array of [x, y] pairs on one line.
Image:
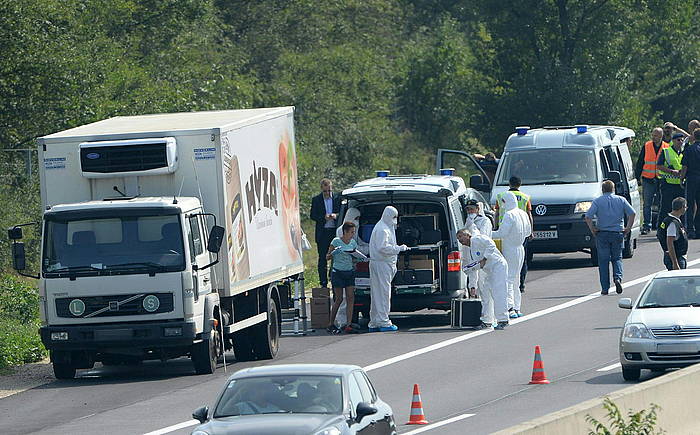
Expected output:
{"points": [[454, 261]]}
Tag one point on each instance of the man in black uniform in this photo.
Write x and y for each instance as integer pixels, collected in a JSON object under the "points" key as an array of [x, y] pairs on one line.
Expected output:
{"points": [[691, 174], [324, 211], [672, 236]]}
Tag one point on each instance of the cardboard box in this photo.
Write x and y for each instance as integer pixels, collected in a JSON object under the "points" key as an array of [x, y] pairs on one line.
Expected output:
{"points": [[416, 262], [321, 292], [320, 312]]}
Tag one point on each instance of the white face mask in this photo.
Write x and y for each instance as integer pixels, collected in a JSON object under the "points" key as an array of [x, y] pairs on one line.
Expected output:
{"points": [[471, 216], [395, 221]]}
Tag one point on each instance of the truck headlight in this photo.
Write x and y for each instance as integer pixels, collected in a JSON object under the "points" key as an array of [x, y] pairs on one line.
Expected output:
{"points": [[636, 330], [582, 207], [59, 336]]}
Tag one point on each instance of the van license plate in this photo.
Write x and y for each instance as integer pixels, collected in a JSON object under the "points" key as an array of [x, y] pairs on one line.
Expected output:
{"points": [[542, 235]]}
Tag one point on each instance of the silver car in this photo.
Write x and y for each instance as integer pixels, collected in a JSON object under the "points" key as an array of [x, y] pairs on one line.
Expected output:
{"points": [[663, 329]]}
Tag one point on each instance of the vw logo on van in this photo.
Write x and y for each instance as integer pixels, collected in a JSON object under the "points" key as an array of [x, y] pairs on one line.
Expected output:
{"points": [[93, 156], [678, 329], [541, 210]]}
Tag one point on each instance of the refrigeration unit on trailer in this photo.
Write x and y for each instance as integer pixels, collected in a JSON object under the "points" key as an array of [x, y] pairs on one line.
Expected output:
{"points": [[167, 235]]}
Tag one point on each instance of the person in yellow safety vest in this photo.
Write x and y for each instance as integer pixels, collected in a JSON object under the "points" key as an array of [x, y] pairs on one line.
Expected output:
{"points": [[525, 205], [647, 175], [669, 168]]}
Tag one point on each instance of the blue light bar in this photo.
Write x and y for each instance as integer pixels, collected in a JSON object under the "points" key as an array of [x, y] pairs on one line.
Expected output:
{"points": [[581, 128], [522, 130], [383, 173], [447, 171]]}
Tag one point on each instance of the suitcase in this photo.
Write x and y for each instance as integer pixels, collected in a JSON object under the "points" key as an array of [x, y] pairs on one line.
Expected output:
{"points": [[414, 277], [466, 313]]}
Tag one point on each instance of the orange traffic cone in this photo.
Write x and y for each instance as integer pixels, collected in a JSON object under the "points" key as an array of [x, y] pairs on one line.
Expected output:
{"points": [[538, 375], [417, 416]]}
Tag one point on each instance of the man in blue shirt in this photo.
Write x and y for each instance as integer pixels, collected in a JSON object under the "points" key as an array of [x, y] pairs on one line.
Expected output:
{"points": [[610, 209]]}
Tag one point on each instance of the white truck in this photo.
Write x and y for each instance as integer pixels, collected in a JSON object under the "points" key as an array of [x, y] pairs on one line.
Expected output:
{"points": [[132, 262]]}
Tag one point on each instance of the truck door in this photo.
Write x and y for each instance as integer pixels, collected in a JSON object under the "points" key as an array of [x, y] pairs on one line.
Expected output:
{"points": [[199, 257], [467, 168]]}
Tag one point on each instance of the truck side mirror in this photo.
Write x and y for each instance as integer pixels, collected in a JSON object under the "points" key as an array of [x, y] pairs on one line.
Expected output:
{"points": [[19, 260], [216, 237], [15, 233]]}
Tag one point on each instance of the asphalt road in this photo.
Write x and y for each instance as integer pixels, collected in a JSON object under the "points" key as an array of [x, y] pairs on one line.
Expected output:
{"points": [[477, 379]]}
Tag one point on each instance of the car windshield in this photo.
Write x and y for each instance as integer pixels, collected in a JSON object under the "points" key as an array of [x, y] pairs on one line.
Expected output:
{"points": [[549, 166], [114, 244], [671, 292], [306, 394]]}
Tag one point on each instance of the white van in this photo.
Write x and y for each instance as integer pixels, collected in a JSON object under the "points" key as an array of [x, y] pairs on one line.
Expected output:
{"points": [[562, 169]]}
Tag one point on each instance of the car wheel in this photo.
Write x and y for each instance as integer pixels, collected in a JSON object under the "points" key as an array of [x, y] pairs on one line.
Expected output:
{"points": [[63, 371], [631, 374]]}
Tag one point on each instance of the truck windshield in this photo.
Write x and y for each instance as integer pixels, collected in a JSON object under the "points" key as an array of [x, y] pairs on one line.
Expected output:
{"points": [[113, 245], [549, 166]]}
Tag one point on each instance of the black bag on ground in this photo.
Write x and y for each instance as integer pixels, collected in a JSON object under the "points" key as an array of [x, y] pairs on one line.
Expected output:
{"points": [[681, 243], [466, 313]]}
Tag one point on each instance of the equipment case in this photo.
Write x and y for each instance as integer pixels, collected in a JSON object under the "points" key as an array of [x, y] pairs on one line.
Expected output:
{"points": [[466, 313]]}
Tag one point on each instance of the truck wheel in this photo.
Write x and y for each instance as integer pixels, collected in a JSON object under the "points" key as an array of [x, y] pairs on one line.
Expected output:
{"points": [[242, 346], [266, 336], [205, 354], [628, 248], [63, 371]]}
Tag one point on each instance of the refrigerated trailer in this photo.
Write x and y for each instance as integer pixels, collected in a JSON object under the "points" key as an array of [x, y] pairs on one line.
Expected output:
{"points": [[167, 235]]}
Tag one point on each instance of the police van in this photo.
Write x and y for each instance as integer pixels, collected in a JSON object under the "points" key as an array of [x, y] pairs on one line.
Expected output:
{"points": [[562, 168], [431, 210]]}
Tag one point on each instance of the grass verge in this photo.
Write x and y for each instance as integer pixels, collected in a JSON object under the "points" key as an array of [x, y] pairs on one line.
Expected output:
{"points": [[19, 323]]}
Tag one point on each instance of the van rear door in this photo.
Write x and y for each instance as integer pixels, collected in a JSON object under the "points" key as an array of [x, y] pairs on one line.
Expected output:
{"points": [[466, 167]]}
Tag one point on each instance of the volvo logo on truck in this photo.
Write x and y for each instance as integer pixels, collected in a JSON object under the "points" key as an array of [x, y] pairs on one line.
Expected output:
{"points": [[261, 191]]}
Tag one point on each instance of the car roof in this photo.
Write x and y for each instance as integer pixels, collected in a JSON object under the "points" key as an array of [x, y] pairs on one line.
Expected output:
{"points": [[409, 183], [567, 136], [296, 369], [678, 273]]}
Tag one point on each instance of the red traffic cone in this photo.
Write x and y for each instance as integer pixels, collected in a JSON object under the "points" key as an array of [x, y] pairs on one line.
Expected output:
{"points": [[417, 416], [538, 375]]}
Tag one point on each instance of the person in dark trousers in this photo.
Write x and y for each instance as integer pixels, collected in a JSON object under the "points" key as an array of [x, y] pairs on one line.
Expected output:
{"points": [[645, 172], [691, 175], [672, 236], [324, 211], [669, 169], [610, 209]]}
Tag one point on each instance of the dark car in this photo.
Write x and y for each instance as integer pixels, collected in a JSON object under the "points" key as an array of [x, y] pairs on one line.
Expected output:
{"points": [[297, 399]]}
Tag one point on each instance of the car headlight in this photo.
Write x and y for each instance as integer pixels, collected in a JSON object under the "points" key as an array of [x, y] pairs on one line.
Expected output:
{"points": [[582, 207], [636, 330], [329, 431]]}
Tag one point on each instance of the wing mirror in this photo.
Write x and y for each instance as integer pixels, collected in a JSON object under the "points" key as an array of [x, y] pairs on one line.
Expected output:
{"points": [[15, 233], [201, 414], [216, 237], [625, 303], [363, 410]]}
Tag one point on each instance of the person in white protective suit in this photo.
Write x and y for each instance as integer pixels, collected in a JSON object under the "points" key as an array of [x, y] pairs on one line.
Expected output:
{"points": [[488, 259], [383, 252], [477, 279], [352, 215], [513, 231]]}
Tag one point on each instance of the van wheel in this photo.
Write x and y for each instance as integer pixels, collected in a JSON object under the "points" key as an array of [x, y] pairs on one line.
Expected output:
{"points": [[206, 353], [628, 248], [266, 336], [630, 374], [63, 371]]}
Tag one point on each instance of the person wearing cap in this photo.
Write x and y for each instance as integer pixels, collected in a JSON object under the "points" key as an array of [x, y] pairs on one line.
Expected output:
{"points": [[525, 205], [669, 169], [690, 173], [647, 176]]}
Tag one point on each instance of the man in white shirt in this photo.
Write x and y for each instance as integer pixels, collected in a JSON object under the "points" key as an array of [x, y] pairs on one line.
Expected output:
{"points": [[673, 237]]}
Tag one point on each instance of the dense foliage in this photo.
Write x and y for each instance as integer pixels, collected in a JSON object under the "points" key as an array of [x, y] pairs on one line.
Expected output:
{"points": [[19, 313], [376, 83]]}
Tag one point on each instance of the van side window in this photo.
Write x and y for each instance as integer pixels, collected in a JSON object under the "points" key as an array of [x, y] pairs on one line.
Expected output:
{"points": [[197, 243], [457, 212], [624, 156]]}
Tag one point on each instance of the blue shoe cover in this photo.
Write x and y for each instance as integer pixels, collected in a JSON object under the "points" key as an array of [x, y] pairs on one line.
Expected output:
{"points": [[388, 328]]}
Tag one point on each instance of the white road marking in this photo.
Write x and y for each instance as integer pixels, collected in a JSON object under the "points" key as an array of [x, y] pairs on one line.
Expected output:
{"points": [[174, 427], [438, 424], [610, 367], [459, 339]]}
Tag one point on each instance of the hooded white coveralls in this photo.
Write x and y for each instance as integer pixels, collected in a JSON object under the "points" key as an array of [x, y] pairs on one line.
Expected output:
{"points": [[484, 227], [383, 252], [352, 215], [496, 270], [513, 231]]}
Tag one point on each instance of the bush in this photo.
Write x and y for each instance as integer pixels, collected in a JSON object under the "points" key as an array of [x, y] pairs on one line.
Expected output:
{"points": [[19, 322], [640, 423]]}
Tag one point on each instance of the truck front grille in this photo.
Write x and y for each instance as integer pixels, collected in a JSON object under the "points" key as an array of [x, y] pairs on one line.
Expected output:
{"points": [[114, 305]]}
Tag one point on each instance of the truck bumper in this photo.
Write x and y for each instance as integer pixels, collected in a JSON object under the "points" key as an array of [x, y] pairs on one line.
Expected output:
{"points": [[134, 336], [572, 235]]}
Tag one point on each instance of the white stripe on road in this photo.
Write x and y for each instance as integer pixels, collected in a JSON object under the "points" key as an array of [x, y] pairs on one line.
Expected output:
{"points": [[438, 424], [461, 338], [610, 367], [174, 427]]}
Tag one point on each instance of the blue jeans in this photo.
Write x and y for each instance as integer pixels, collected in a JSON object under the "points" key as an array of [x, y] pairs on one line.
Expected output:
{"points": [[609, 246], [652, 194]]}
